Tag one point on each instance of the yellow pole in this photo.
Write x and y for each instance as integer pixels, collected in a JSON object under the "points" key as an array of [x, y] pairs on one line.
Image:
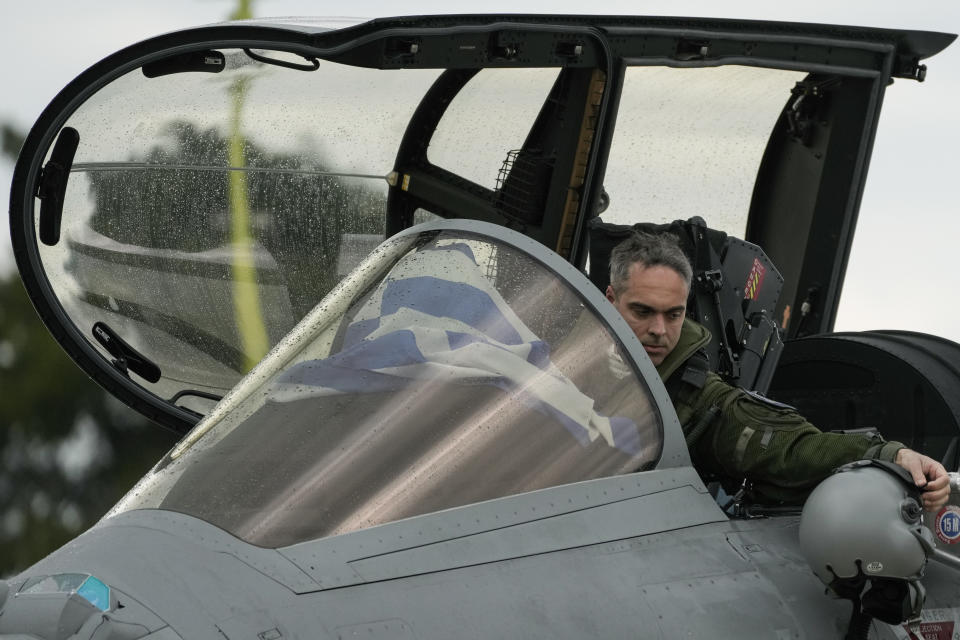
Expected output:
{"points": [[246, 294], [244, 10]]}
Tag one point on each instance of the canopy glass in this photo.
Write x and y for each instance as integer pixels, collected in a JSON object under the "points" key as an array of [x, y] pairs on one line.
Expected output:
{"points": [[448, 369]]}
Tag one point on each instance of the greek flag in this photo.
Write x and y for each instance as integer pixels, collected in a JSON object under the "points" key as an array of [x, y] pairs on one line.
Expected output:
{"points": [[418, 326]]}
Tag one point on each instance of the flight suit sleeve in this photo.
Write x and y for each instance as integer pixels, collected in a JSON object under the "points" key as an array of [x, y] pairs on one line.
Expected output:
{"points": [[771, 445]]}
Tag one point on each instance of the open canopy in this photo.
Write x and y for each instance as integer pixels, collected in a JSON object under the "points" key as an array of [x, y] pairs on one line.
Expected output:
{"points": [[183, 204]]}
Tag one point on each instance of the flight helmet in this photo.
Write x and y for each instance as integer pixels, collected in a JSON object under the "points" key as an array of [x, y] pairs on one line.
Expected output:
{"points": [[862, 533]]}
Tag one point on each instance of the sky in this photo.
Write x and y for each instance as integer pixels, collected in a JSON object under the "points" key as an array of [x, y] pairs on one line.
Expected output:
{"points": [[901, 271]]}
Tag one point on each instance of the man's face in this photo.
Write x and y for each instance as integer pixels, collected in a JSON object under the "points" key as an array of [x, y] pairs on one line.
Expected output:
{"points": [[654, 303]]}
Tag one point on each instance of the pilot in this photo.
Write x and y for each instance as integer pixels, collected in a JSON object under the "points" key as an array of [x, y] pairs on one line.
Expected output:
{"points": [[731, 433]]}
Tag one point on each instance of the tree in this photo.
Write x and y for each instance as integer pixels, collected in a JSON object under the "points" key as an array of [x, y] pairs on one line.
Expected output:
{"points": [[69, 450], [302, 213], [11, 139]]}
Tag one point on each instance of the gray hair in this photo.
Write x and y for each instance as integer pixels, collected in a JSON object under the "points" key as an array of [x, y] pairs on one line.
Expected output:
{"points": [[650, 250]]}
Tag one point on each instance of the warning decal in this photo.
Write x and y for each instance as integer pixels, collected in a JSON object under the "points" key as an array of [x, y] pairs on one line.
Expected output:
{"points": [[755, 280], [934, 631], [947, 524], [935, 624]]}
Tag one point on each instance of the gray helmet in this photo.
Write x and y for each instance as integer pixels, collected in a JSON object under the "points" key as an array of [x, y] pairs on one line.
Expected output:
{"points": [[866, 517], [862, 533]]}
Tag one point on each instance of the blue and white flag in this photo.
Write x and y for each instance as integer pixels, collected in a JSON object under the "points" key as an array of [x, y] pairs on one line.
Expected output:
{"points": [[416, 326]]}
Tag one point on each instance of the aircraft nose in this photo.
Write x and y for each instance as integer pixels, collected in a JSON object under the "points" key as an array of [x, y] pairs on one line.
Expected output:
{"points": [[75, 606]]}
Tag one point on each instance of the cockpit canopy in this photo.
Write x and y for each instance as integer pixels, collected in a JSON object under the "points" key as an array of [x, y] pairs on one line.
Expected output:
{"points": [[451, 367], [186, 202]]}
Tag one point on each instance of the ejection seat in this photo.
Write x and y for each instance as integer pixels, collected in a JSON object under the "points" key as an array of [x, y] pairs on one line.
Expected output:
{"points": [[734, 292]]}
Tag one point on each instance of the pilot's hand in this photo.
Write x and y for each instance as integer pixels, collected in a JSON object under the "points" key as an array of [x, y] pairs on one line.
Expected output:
{"points": [[929, 475]]}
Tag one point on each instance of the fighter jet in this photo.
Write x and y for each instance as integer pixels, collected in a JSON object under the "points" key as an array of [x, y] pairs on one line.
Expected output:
{"points": [[359, 267]]}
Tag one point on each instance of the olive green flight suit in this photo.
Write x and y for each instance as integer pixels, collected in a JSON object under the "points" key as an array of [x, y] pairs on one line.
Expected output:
{"points": [[733, 434]]}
